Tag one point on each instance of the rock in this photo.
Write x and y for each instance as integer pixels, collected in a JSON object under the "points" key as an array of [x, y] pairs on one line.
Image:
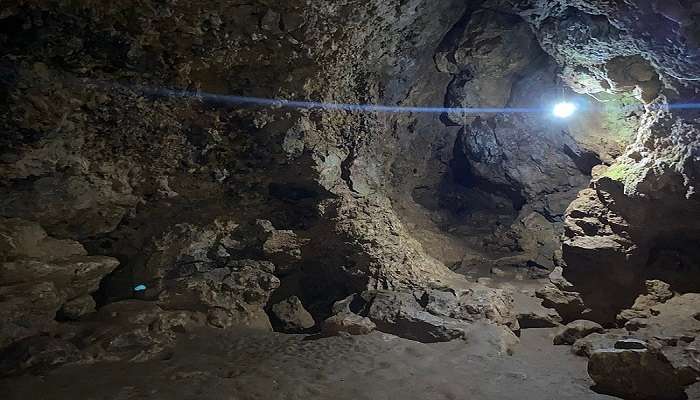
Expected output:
{"points": [[281, 247], [556, 277], [401, 314], [531, 314], [347, 322], [598, 341], [498, 272], [36, 355], [74, 206], [25, 239], [132, 330], [638, 374], [576, 330], [433, 315], [631, 344], [657, 292], [663, 341], [27, 309], [502, 61], [568, 304], [233, 294], [693, 391], [78, 307], [292, 315], [40, 275]]}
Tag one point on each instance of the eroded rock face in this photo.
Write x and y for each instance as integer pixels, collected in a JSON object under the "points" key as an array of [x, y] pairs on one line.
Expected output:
{"points": [[614, 228], [219, 210], [292, 315], [576, 330], [654, 356], [120, 137], [639, 374], [41, 275]]}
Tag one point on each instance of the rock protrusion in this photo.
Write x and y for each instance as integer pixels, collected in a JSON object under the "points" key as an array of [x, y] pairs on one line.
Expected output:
{"points": [[292, 315], [576, 330]]}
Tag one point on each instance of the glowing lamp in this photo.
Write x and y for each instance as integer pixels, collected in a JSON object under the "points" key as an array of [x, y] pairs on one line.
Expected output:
{"points": [[564, 109]]}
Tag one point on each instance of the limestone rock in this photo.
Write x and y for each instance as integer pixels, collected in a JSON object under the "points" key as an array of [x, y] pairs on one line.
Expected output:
{"points": [[576, 330], [78, 307], [432, 315], [346, 317], [638, 374], [292, 315], [36, 355], [656, 292], [556, 277], [132, 330], [531, 313], [598, 341], [233, 294], [402, 315], [27, 309], [40, 275], [568, 304], [70, 206], [512, 52], [347, 322]]}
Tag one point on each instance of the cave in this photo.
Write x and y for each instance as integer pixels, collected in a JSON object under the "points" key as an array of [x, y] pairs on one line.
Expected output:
{"points": [[396, 199]]}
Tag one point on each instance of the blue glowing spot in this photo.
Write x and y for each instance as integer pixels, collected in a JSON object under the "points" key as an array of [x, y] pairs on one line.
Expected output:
{"points": [[139, 288]]}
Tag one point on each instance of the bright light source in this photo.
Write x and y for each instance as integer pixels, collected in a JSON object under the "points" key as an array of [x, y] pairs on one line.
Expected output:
{"points": [[564, 109]]}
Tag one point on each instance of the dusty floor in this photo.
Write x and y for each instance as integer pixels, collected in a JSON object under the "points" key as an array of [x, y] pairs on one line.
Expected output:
{"points": [[254, 365]]}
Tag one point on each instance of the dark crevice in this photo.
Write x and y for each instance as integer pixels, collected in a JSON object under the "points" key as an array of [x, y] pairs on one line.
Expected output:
{"points": [[583, 159]]}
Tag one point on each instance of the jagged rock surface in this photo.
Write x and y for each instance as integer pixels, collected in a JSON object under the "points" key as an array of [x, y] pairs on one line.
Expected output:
{"points": [[40, 275], [120, 142]]}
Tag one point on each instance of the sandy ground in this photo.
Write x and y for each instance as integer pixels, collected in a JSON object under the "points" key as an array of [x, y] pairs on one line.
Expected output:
{"points": [[257, 365]]}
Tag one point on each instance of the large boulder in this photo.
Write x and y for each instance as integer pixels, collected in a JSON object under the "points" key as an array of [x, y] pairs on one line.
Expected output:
{"points": [[433, 315], [636, 374], [653, 357]]}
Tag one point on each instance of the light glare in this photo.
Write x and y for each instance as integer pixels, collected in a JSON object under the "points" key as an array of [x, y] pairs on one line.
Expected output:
{"points": [[564, 109]]}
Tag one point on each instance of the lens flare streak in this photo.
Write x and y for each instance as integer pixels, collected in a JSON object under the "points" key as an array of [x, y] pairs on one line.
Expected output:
{"points": [[280, 103], [378, 108]]}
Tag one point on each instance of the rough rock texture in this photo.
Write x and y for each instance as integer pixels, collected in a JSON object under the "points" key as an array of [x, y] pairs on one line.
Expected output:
{"points": [[657, 292], [532, 314], [576, 330], [40, 275], [292, 315], [347, 322], [638, 374], [118, 135], [346, 317], [645, 48], [435, 316], [124, 142], [568, 304], [654, 356]]}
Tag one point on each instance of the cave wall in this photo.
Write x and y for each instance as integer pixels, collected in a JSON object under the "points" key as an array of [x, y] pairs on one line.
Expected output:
{"points": [[115, 139], [616, 228], [116, 144]]}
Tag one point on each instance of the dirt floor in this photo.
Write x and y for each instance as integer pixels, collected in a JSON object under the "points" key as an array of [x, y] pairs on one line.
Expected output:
{"points": [[211, 364]]}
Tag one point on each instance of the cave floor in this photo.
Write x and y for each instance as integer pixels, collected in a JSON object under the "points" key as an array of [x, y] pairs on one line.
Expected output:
{"points": [[211, 364]]}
